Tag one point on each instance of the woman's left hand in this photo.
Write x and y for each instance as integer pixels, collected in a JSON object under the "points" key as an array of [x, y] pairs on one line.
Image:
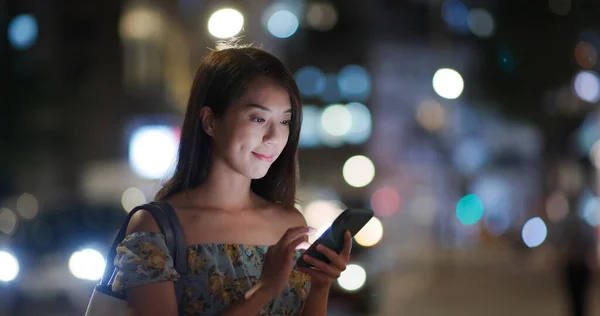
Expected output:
{"points": [[323, 274]]}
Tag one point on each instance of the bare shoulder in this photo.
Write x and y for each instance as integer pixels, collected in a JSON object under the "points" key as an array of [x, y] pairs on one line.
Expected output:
{"points": [[142, 221], [289, 217]]}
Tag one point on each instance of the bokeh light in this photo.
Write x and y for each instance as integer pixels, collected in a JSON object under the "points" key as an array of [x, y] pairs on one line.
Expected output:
{"points": [[370, 234], [358, 171], [586, 55], [481, 23], [422, 209], [385, 201], [588, 134], [311, 81], [8, 221], [141, 23], [590, 209], [321, 16], [448, 83], [353, 278], [534, 232], [87, 264], [283, 24], [431, 115], [9, 267], [311, 125], [560, 7], [22, 31], [557, 206], [595, 154], [454, 13], [587, 86], [469, 209], [354, 83], [470, 155], [336, 120], [225, 23], [152, 151], [321, 213], [361, 127], [131, 198], [27, 206]]}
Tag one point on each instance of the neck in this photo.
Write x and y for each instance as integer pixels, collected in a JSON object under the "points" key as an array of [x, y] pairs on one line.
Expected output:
{"points": [[223, 189]]}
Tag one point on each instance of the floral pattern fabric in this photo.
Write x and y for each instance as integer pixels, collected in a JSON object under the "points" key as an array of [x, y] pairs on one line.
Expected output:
{"points": [[218, 274]]}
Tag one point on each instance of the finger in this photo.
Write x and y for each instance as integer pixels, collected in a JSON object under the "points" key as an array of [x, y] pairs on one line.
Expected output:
{"points": [[314, 273], [347, 245], [336, 260], [293, 233], [294, 244], [323, 267]]}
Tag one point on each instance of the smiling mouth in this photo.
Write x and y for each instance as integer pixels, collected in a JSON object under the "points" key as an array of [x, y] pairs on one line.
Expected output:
{"points": [[263, 157]]}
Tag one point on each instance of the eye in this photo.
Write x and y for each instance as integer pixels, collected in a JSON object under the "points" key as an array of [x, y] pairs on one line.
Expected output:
{"points": [[286, 122], [257, 119]]}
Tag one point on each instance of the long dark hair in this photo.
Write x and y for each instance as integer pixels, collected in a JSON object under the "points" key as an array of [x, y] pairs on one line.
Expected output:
{"points": [[222, 78]]}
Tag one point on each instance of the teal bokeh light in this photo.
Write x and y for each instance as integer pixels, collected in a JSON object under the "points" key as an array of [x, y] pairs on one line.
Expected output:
{"points": [[469, 209]]}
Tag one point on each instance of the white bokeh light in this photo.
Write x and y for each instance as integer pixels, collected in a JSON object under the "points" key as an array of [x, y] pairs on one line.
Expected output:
{"points": [[361, 126], [225, 23], [353, 278], [152, 151], [370, 234], [587, 86], [336, 120], [319, 212], [448, 83], [131, 198], [87, 264], [534, 232], [358, 171], [9, 267]]}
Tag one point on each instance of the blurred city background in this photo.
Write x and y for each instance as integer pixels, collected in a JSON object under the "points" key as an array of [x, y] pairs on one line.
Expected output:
{"points": [[470, 127]]}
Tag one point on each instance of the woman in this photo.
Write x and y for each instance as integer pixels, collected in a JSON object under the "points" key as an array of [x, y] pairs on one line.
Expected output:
{"points": [[233, 190]]}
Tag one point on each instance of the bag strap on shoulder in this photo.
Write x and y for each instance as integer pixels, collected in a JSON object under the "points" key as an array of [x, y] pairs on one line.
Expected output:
{"points": [[170, 227]]}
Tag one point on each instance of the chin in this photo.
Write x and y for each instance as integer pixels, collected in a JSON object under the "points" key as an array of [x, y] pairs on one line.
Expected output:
{"points": [[258, 175]]}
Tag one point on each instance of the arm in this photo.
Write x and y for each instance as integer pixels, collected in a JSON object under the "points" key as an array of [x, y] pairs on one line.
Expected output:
{"points": [[152, 299], [316, 302]]}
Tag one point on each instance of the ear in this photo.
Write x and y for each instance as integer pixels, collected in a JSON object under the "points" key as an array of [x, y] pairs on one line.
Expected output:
{"points": [[208, 120]]}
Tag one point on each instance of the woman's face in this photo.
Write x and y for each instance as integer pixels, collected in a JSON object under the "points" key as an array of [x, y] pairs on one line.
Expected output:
{"points": [[254, 130]]}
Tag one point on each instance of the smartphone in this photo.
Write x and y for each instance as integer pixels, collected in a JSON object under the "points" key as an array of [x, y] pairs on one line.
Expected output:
{"points": [[333, 238]]}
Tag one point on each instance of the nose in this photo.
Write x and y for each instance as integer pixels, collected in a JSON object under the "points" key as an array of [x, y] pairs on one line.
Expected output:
{"points": [[272, 135]]}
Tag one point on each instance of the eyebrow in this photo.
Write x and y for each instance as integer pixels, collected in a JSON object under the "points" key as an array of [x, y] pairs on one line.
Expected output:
{"points": [[264, 108]]}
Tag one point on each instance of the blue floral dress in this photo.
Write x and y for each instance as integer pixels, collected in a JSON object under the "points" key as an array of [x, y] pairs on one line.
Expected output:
{"points": [[218, 274]]}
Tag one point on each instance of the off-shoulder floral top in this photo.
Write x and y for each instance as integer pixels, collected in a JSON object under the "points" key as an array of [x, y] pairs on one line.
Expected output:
{"points": [[218, 274]]}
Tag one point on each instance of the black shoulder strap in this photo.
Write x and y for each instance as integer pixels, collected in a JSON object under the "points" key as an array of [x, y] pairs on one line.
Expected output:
{"points": [[179, 252], [171, 228]]}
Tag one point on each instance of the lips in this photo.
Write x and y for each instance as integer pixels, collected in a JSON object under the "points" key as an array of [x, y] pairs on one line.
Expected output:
{"points": [[267, 158]]}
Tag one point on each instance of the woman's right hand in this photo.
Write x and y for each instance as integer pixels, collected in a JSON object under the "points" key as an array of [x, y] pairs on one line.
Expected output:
{"points": [[279, 260]]}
